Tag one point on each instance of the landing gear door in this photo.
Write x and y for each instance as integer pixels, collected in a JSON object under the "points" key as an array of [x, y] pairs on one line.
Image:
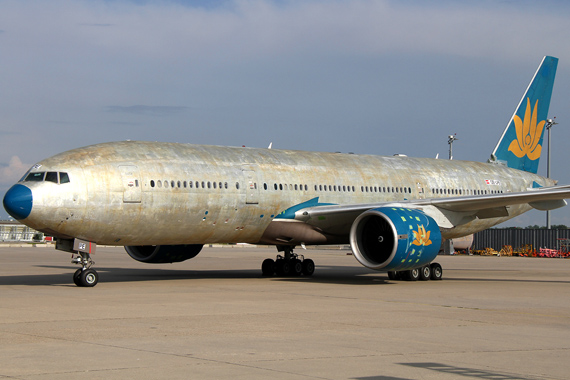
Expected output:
{"points": [[131, 183], [251, 189]]}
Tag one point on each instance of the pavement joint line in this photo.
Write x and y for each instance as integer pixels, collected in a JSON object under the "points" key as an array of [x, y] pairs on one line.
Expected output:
{"points": [[187, 356]]}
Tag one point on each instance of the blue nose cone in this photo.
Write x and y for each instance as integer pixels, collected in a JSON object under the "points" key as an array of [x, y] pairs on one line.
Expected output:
{"points": [[18, 201]]}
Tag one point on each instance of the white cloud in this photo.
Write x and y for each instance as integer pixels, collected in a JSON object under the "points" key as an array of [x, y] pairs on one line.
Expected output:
{"points": [[13, 172]]}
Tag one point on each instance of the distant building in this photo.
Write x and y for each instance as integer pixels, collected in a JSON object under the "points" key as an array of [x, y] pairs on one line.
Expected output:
{"points": [[12, 231]]}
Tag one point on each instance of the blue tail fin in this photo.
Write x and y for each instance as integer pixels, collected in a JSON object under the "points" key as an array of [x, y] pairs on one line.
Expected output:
{"points": [[521, 143]]}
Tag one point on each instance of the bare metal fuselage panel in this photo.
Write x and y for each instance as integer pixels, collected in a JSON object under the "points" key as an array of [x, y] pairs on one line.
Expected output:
{"points": [[148, 193]]}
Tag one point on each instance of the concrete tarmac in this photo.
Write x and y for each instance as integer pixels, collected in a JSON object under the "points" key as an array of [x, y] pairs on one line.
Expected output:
{"points": [[216, 317]]}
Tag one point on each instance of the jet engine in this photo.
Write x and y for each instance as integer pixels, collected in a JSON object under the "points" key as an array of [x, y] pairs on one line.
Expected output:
{"points": [[394, 239], [159, 254]]}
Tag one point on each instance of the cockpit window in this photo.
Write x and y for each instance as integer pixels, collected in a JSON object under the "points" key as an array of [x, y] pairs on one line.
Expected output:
{"points": [[63, 177], [48, 177], [51, 177], [35, 177]]}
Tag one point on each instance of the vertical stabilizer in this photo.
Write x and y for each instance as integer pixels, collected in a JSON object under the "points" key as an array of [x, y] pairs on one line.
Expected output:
{"points": [[521, 143]]}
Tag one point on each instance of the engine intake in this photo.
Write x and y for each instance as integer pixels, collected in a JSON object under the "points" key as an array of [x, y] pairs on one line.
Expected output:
{"points": [[394, 238], [160, 254]]}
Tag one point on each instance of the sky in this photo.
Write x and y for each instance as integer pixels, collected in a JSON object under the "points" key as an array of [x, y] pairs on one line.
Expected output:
{"points": [[369, 77]]}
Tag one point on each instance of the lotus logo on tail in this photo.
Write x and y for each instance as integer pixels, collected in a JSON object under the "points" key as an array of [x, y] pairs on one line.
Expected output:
{"points": [[421, 236], [528, 134]]}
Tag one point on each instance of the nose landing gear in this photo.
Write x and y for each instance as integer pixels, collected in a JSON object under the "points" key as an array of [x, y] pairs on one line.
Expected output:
{"points": [[81, 252], [84, 276]]}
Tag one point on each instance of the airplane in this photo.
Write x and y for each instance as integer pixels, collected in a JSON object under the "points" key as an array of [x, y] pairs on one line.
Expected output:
{"points": [[164, 201]]}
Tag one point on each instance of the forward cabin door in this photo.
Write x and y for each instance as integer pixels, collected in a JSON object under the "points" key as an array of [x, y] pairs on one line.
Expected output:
{"points": [[132, 192], [251, 188]]}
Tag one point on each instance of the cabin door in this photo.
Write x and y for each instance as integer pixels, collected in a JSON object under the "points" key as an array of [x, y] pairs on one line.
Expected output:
{"points": [[251, 188], [132, 192]]}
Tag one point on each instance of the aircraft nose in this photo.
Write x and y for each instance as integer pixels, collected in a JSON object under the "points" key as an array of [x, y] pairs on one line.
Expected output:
{"points": [[18, 201]]}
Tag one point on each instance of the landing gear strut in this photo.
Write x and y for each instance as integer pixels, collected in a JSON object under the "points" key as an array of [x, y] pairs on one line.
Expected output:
{"points": [[288, 264], [81, 252], [84, 276], [431, 271]]}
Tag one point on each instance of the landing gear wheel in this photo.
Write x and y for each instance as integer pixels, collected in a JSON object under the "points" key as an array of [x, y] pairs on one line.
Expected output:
{"points": [[393, 275], [268, 267], [413, 274], [436, 271], [89, 278], [425, 273], [279, 267], [308, 267], [296, 267], [77, 277], [286, 268]]}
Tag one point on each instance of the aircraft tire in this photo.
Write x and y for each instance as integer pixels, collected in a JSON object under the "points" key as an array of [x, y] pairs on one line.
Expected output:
{"points": [[279, 267], [308, 267], [413, 274], [89, 278], [77, 277], [436, 271], [268, 267], [393, 275], [425, 273], [286, 268], [296, 267]]}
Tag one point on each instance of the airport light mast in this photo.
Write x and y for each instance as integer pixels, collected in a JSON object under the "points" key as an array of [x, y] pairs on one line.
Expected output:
{"points": [[549, 124], [451, 139]]}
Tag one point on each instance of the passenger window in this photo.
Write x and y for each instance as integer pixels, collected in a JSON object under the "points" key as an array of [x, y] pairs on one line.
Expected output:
{"points": [[151, 183], [51, 177], [35, 177]]}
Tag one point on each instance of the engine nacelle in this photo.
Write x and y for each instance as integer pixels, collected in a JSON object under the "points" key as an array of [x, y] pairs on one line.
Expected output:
{"points": [[160, 254], [394, 239]]}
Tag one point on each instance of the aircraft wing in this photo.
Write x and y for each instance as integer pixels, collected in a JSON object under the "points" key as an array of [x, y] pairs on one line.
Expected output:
{"points": [[448, 212]]}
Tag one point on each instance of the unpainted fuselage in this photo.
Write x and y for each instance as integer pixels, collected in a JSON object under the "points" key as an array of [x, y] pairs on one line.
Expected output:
{"points": [[148, 193]]}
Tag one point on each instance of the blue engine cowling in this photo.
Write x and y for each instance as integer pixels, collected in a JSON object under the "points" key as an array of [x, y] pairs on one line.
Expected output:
{"points": [[394, 239]]}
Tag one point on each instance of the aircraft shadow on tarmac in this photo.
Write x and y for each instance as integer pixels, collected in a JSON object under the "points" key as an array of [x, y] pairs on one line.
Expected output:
{"points": [[463, 372], [451, 370], [324, 274], [334, 275]]}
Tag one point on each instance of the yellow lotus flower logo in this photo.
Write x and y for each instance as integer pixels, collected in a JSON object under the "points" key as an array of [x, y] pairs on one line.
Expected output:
{"points": [[421, 236], [528, 134]]}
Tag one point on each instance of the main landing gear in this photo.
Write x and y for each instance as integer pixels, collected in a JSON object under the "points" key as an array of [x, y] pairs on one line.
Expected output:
{"points": [[431, 271], [84, 276], [289, 264]]}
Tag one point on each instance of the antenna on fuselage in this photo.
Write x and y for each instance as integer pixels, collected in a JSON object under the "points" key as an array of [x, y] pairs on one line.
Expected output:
{"points": [[451, 139], [270, 145]]}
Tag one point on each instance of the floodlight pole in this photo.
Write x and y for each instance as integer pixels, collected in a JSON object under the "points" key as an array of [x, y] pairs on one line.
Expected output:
{"points": [[451, 139], [549, 124]]}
